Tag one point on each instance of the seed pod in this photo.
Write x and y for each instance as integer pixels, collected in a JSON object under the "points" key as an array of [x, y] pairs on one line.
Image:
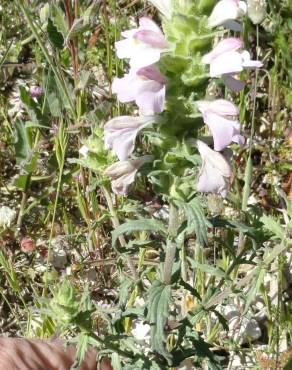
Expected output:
{"points": [[256, 10]]}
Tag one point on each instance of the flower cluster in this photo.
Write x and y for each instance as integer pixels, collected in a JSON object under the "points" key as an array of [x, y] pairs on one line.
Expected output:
{"points": [[145, 85], [221, 116]]}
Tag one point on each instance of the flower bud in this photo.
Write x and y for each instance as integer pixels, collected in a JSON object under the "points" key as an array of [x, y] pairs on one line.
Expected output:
{"points": [[256, 10]]}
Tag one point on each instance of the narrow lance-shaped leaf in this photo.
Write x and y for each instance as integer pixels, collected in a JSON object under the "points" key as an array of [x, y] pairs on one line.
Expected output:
{"points": [[137, 225]]}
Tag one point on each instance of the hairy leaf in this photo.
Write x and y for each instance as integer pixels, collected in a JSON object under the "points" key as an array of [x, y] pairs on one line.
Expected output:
{"points": [[138, 225], [158, 309], [196, 220]]}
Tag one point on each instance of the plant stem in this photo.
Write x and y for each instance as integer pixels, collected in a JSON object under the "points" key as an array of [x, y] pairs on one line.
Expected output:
{"points": [[171, 246]]}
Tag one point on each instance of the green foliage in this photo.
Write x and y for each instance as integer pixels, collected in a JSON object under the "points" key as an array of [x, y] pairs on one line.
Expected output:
{"points": [[131, 226], [160, 244], [196, 220], [54, 35], [158, 311]]}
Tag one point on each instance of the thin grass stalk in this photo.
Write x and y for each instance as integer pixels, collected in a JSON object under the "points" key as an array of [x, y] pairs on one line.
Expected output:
{"points": [[59, 79]]}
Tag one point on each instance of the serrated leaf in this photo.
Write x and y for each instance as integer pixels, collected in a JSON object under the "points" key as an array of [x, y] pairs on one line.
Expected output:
{"points": [[274, 226], [55, 36], [81, 348], [137, 225]]}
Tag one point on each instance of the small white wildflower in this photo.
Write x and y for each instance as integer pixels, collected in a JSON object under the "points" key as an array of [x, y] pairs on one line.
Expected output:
{"points": [[84, 151], [141, 331], [7, 216]]}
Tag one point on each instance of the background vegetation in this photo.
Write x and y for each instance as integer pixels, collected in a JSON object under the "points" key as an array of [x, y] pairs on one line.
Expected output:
{"points": [[78, 262]]}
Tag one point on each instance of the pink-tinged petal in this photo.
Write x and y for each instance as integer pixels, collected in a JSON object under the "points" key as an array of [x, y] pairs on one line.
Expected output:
{"points": [[144, 56], [220, 106], [248, 63], [146, 23], [223, 130], [230, 44], [239, 139], [125, 48], [123, 87], [148, 94], [232, 83], [215, 173], [120, 134], [152, 101], [230, 62], [122, 174], [223, 11], [151, 38], [216, 159], [151, 72], [211, 181], [121, 185]]}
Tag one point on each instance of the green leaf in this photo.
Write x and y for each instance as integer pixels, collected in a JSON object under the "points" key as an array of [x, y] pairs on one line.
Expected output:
{"points": [[196, 220], [206, 268], [273, 226], [55, 36], [54, 104], [81, 347], [255, 284], [58, 18], [21, 144], [138, 225], [158, 311]]}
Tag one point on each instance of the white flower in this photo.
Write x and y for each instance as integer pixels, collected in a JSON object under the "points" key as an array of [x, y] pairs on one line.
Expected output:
{"points": [[84, 151], [219, 117], [226, 12], [7, 216], [123, 173], [120, 134], [142, 45], [141, 331], [215, 173]]}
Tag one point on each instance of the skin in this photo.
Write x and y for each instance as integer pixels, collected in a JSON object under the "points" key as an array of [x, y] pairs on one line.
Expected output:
{"points": [[22, 354]]}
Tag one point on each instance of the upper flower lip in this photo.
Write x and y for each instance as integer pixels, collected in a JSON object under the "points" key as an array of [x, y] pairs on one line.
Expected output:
{"points": [[230, 44], [142, 45], [219, 117], [145, 86], [120, 134], [227, 58], [226, 10], [152, 38]]}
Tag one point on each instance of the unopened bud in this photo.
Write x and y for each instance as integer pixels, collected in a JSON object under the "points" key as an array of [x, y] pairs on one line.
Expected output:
{"points": [[256, 10]]}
